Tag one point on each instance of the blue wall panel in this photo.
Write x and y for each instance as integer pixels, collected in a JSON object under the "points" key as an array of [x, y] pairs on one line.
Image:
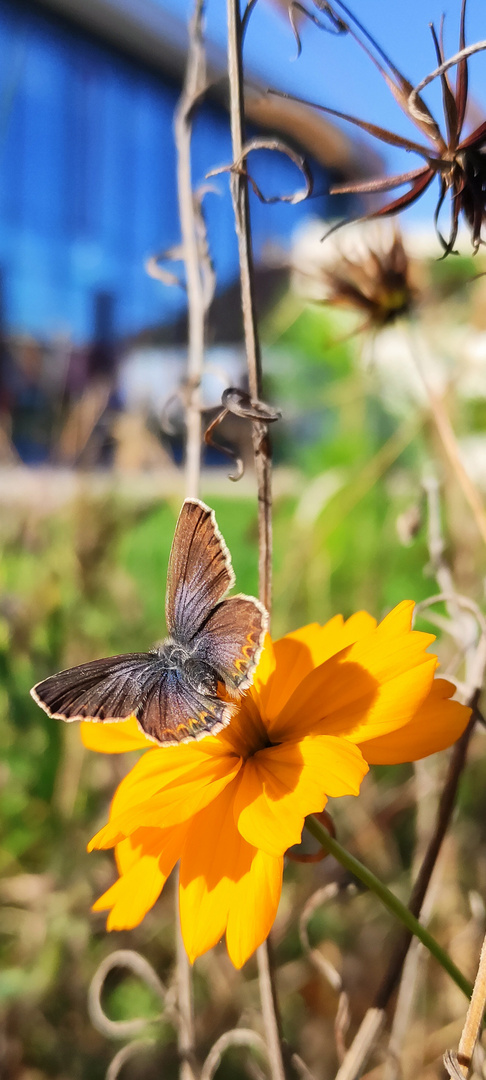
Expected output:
{"points": [[88, 181]]}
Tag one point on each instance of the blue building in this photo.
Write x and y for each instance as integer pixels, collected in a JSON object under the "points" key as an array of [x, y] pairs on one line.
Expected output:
{"points": [[87, 165]]}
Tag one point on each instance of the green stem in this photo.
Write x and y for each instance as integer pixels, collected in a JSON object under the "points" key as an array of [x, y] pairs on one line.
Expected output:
{"points": [[389, 900]]}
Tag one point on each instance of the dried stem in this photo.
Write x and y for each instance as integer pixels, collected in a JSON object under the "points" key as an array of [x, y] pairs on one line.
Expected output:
{"points": [[444, 814], [448, 439], [185, 1005], [194, 85], [374, 1019], [372, 882], [192, 91], [261, 442], [239, 192], [463, 1059]]}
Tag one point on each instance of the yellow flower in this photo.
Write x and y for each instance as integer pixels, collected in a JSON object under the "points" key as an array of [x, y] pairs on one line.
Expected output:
{"points": [[326, 702]]}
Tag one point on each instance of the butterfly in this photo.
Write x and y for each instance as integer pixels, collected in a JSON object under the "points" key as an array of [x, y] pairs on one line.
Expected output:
{"points": [[178, 691]]}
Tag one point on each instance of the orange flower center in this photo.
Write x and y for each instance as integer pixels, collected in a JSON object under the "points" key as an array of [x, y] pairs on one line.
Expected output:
{"points": [[247, 732]]}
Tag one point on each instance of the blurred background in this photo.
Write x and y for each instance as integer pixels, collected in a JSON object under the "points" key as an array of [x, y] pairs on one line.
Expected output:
{"points": [[368, 340]]}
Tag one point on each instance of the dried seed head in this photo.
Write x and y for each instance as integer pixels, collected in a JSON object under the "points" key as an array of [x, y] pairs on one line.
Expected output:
{"points": [[365, 268]]}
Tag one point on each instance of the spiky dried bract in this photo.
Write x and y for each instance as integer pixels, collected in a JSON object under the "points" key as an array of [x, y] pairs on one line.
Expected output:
{"points": [[367, 270], [457, 161]]}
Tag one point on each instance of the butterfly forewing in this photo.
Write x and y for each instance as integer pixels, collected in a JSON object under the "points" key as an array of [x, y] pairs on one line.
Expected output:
{"points": [[200, 571], [109, 689], [231, 639]]}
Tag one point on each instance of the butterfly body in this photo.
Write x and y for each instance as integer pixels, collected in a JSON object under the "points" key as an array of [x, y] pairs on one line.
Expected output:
{"points": [[213, 647], [189, 667]]}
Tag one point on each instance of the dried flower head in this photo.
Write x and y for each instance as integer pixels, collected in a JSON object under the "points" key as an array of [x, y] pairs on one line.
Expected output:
{"points": [[458, 162], [366, 269]]}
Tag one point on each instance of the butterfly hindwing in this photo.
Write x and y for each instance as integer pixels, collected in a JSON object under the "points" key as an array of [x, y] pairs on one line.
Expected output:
{"points": [[200, 570], [176, 712], [231, 640], [109, 689]]}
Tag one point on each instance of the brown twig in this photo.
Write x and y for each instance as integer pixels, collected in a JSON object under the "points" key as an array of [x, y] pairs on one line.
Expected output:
{"points": [[461, 1062], [198, 299], [185, 1004], [261, 442], [457, 760], [444, 814], [190, 220], [239, 192], [374, 1019]]}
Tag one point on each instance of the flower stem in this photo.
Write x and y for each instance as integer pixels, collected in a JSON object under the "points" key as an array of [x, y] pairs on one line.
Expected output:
{"points": [[261, 446], [351, 863]]}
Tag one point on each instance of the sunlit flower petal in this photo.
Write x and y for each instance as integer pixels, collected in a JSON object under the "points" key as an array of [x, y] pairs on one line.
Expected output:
{"points": [[298, 653], [226, 884], [436, 724], [115, 738], [172, 793], [145, 863], [376, 685], [280, 786], [257, 890]]}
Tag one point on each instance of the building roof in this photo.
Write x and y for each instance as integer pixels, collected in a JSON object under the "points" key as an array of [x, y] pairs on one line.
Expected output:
{"points": [[149, 31]]}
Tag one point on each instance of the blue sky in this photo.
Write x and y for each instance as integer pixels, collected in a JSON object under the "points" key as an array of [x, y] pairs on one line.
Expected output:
{"points": [[334, 71]]}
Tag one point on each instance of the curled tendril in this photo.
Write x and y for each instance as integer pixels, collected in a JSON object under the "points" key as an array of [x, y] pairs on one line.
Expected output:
{"points": [[239, 403], [206, 267], [127, 1029], [246, 16], [478, 664], [317, 856], [414, 103], [337, 25], [154, 264], [125, 1054], [155, 270], [325, 895], [139, 966], [322, 896], [235, 1037], [274, 145], [228, 450]]}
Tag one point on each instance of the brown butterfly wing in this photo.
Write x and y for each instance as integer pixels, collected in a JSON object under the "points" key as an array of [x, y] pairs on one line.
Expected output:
{"points": [[231, 640], [200, 570], [109, 689], [175, 712]]}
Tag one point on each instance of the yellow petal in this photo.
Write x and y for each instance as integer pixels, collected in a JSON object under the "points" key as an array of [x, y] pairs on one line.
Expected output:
{"points": [[298, 653], [279, 786], [325, 641], [436, 724], [167, 767], [114, 738], [136, 891], [253, 907], [209, 864], [373, 686], [225, 883], [143, 842], [160, 797]]}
